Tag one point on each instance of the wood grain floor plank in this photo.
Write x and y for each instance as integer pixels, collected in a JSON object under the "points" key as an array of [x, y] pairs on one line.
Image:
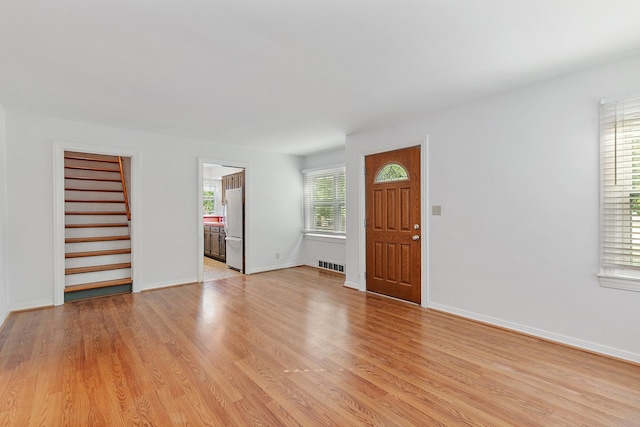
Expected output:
{"points": [[294, 348], [428, 399], [254, 412], [299, 404], [201, 369]]}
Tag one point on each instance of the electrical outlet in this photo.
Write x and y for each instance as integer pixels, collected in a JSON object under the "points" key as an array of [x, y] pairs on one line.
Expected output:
{"points": [[277, 255], [436, 210]]}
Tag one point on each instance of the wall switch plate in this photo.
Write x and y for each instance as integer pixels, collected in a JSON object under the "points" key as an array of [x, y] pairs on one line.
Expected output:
{"points": [[436, 210]]}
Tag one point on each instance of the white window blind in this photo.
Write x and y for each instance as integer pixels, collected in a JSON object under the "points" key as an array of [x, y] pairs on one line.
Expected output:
{"points": [[324, 200], [620, 188]]}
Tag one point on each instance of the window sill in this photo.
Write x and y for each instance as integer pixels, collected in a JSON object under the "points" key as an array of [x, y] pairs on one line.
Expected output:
{"points": [[620, 282], [327, 238]]}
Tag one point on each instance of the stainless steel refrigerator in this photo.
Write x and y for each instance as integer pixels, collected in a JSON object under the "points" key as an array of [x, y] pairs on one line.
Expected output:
{"points": [[233, 222]]}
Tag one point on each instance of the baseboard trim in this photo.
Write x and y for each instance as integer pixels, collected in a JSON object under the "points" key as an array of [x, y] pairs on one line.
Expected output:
{"points": [[31, 305], [274, 267], [167, 284], [352, 285], [4, 315], [539, 333]]}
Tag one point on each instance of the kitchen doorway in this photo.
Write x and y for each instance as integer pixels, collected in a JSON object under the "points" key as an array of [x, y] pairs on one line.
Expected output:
{"points": [[222, 215]]}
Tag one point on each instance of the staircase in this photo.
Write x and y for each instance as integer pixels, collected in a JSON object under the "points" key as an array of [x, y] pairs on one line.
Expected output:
{"points": [[97, 216]]}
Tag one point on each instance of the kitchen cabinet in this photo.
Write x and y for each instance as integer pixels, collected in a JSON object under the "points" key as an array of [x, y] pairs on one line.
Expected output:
{"points": [[207, 241], [223, 246], [214, 242], [235, 180]]}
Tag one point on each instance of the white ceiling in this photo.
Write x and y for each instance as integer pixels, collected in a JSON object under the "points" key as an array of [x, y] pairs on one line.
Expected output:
{"points": [[292, 76]]}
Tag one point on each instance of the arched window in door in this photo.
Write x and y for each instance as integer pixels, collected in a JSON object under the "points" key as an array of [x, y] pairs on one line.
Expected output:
{"points": [[392, 172]]}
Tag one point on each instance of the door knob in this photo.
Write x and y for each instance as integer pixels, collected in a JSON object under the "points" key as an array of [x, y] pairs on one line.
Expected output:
{"points": [[416, 226], [416, 237]]}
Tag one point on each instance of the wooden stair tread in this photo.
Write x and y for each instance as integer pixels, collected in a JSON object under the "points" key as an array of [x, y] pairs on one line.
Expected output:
{"points": [[95, 239], [99, 190], [98, 253], [89, 158], [94, 268], [92, 201], [96, 285], [90, 178], [96, 225], [94, 213], [91, 168]]}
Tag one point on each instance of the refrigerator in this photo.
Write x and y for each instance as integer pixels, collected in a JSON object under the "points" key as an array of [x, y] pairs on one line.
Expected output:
{"points": [[233, 224]]}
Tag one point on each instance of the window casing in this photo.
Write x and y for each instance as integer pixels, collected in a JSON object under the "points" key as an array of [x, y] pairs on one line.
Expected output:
{"points": [[620, 194], [324, 201]]}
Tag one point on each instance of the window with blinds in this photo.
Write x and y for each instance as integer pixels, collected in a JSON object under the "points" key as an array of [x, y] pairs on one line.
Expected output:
{"points": [[620, 190], [324, 201], [211, 203]]}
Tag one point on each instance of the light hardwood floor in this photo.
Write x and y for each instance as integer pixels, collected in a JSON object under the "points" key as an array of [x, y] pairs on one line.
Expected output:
{"points": [[293, 347]]}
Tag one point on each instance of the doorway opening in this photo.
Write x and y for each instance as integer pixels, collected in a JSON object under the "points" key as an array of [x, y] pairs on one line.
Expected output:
{"points": [[223, 221], [94, 221]]}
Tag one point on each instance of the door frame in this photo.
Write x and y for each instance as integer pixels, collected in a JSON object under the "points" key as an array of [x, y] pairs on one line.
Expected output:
{"points": [[59, 148], [200, 220], [424, 217]]}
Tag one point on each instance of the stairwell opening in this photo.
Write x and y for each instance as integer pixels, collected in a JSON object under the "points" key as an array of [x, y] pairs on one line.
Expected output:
{"points": [[97, 225]]}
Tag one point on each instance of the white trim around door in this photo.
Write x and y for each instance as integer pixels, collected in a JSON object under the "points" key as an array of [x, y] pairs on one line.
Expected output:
{"points": [[425, 218]]}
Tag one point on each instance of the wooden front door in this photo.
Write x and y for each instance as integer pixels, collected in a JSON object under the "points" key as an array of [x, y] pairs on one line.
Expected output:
{"points": [[393, 228]]}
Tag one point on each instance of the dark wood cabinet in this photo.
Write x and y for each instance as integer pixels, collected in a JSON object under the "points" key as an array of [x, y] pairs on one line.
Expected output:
{"points": [[207, 241], [223, 245], [214, 243], [235, 180]]}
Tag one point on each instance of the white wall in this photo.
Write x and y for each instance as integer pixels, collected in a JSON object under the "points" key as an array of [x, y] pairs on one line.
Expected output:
{"points": [[324, 248], [517, 176], [210, 171], [325, 159], [4, 276], [169, 232]]}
